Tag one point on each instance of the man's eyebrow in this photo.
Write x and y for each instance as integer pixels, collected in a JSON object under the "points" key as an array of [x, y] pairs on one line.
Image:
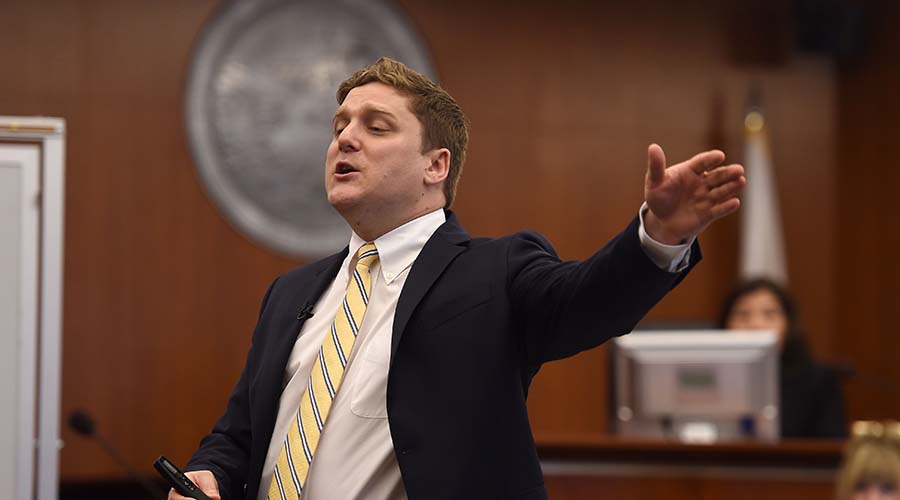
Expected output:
{"points": [[367, 108]]}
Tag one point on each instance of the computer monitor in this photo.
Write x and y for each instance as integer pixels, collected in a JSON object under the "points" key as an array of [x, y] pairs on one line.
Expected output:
{"points": [[696, 385]]}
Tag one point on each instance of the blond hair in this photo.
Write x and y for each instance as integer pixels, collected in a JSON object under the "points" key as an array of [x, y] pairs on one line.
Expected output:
{"points": [[872, 456], [443, 123]]}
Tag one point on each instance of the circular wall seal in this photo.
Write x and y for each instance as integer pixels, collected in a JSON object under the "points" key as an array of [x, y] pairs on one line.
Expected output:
{"points": [[259, 104]]}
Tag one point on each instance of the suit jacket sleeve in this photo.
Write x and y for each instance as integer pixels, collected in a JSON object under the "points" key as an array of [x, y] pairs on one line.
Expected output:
{"points": [[566, 307], [226, 449]]}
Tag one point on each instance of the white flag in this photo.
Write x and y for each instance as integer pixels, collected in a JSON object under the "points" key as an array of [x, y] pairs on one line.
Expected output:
{"points": [[762, 239]]}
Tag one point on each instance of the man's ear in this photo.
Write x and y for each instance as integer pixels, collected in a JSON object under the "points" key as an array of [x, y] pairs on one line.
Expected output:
{"points": [[439, 167]]}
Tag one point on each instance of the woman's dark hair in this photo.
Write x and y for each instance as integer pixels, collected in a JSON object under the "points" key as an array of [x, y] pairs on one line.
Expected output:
{"points": [[795, 349]]}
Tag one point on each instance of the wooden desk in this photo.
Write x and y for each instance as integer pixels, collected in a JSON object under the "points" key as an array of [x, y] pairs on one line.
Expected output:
{"points": [[607, 467]]}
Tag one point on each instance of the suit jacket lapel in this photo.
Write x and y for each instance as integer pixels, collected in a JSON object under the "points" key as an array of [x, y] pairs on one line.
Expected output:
{"points": [[301, 298], [308, 297], [444, 245]]}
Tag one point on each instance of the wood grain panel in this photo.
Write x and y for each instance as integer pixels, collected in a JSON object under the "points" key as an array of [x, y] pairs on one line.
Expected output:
{"points": [[869, 220], [701, 487], [588, 467]]}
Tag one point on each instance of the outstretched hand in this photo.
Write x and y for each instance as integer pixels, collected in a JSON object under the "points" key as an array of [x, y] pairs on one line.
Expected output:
{"points": [[687, 197]]}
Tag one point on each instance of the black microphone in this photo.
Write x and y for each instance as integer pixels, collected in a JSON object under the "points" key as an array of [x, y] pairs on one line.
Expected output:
{"points": [[306, 312], [83, 424]]}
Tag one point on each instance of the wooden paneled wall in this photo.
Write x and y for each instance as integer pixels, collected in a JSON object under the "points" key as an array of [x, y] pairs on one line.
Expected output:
{"points": [[868, 267], [161, 293]]}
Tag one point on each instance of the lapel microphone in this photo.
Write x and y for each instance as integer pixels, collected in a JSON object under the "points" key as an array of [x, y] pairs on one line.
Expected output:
{"points": [[306, 312]]}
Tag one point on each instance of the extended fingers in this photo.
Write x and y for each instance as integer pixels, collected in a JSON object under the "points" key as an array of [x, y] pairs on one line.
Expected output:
{"points": [[721, 175], [727, 207], [728, 190], [706, 160]]}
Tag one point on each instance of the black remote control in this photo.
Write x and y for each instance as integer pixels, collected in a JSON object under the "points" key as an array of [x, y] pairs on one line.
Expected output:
{"points": [[177, 479]]}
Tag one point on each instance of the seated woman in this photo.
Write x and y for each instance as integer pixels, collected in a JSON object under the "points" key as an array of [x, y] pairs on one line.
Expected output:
{"points": [[812, 404], [871, 466]]}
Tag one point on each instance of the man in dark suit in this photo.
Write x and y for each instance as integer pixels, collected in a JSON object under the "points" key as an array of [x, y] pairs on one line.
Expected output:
{"points": [[399, 367]]}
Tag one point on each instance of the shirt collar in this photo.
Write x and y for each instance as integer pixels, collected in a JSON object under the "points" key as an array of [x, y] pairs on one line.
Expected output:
{"points": [[398, 248]]}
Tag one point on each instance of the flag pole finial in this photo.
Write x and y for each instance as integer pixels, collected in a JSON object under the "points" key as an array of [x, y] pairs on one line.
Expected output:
{"points": [[754, 121]]}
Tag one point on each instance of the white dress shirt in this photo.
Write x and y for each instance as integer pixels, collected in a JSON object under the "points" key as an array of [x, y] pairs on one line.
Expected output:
{"points": [[355, 455]]}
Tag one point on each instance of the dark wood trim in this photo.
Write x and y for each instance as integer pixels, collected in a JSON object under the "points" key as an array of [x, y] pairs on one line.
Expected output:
{"points": [[610, 449]]}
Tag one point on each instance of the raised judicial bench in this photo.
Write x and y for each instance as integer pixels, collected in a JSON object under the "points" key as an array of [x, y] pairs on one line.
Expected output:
{"points": [[596, 466]]}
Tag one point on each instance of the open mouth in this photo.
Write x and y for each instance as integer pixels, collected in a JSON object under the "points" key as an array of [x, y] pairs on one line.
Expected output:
{"points": [[343, 167]]}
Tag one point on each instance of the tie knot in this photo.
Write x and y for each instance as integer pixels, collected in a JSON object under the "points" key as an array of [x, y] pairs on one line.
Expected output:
{"points": [[367, 255]]}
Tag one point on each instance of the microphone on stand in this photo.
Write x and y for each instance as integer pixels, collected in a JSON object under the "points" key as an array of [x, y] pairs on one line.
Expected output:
{"points": [[83, 424]]}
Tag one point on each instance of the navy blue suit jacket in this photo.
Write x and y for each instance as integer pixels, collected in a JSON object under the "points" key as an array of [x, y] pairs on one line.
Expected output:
{"points": [[475, 321]]}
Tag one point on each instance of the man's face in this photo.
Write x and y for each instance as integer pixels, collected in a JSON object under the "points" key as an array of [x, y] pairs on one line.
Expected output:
{"points": [[375, 161]]}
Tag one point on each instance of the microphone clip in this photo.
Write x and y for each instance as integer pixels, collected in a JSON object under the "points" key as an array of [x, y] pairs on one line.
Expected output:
{"points": [[306, 312]]}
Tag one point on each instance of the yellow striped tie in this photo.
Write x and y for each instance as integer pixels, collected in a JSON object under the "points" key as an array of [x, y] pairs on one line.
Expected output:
{"points": [[324, 381]]}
